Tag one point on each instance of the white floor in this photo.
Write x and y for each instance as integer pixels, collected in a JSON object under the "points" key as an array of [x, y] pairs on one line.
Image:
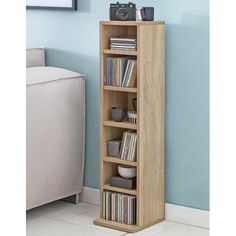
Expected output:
{"points": [[65, 219]]}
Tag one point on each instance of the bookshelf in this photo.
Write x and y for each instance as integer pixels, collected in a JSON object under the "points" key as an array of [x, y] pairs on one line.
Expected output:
{"points": [[149, 92]]}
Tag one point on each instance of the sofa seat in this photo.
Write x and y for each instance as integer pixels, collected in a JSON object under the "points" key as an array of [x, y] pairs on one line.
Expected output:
{"points": [[55, 122]]}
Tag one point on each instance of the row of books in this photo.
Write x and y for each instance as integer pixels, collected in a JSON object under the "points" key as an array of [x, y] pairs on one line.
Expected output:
{"points": [[128, 146], [120, 71], [123, 43], [119, 207]]}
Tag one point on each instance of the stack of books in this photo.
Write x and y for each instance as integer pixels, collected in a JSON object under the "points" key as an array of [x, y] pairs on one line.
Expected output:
{"points": [[119, 207], [120, 71], [128, 146], [123, 43]]}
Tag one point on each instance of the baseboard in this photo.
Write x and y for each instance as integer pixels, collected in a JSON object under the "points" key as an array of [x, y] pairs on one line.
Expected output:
{"points": [[176, 213], [187, 215], [90, 195]]}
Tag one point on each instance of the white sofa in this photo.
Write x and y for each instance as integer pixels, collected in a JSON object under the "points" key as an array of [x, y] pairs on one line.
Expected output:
{"points": [[55, 130]]}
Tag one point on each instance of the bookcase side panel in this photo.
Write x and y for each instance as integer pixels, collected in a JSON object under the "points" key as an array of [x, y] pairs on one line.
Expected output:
{"points": [[101, 151], [151, 123]]}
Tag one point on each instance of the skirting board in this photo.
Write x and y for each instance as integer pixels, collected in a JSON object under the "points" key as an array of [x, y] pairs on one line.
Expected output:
{"points": [[175, 213]]}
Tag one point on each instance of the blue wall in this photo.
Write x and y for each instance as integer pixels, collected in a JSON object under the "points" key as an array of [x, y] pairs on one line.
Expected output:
{"points": [[71, 39]]}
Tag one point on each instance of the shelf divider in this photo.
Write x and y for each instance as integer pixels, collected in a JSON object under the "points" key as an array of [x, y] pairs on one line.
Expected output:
{"points": [[120, 52], [120, 190], [120, 89], [119, 161], [123, 124]]}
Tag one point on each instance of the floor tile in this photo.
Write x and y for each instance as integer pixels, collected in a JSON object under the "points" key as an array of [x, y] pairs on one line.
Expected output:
{"points": [[48, 208], [85, 218], [66, 219], [166, 228], [43, 226], [69, 210]]}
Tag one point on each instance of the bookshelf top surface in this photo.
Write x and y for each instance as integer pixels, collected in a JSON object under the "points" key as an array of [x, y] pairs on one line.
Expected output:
{"points": [[132, 23]]}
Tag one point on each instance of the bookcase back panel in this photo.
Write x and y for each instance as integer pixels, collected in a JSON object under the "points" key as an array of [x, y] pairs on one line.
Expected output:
{"points": [[108, 31], [114, 99], [109, 134], [131, 104], [110, 169]]}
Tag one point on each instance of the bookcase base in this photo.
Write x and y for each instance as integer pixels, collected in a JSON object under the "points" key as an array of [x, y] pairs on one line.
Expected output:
{"points": [[123, 227]]}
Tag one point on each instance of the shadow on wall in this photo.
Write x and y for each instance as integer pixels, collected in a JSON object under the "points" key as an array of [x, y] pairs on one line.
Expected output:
{"points": [[187, 100], [83, 5], [87, 65]]}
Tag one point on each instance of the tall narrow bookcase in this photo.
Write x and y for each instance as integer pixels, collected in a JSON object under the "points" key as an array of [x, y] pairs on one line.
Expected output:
{"points": [[149, 92]]}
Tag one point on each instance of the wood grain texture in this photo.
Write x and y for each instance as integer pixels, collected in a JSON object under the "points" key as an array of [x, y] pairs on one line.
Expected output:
{"points": [[124, 227], [120, 190], [120, 52], [123, 124], [150, 123], [119, 161], [132, 23], [120, 89]]}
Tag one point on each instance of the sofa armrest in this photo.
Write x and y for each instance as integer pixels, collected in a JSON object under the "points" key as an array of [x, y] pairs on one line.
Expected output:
{"points": [[35, 56]]}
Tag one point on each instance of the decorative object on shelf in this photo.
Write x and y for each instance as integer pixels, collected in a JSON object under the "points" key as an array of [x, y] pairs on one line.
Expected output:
{"points": [[127, 171], [52, 4], [118, 114], [134, 103], [146, 13], [119, 182], [122, 11], [132, 116], [113, 148]]}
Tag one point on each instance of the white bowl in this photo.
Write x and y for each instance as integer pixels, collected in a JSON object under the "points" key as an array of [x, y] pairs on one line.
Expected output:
{"points": [[127, 171]]}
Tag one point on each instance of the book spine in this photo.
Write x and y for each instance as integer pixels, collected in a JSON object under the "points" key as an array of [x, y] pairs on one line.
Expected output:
{"points": [[104, 205], [117, 68], [123, 145], [133, 75], [125, 210]]}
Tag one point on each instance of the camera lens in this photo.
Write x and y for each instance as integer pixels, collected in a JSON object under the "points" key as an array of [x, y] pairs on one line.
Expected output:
{"points": [[122, 14]]}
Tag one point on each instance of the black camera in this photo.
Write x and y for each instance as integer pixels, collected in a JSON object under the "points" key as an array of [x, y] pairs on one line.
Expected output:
{"points": [[123, 12]]}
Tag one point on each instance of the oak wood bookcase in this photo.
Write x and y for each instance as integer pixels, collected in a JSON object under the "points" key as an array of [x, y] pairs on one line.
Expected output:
{"points": [[150, 55]]}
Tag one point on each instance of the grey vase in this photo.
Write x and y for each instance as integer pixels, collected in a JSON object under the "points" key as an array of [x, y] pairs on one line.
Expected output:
{"points": [[118, 113]]}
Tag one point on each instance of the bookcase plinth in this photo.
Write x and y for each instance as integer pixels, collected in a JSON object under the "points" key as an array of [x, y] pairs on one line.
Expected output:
{"points": [[123, 227]]}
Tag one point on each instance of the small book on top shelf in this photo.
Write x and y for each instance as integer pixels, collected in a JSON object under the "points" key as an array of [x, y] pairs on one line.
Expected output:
{"points": [[120, 71]]}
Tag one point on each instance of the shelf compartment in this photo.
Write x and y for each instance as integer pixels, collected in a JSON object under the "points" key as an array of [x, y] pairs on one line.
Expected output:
{"points": [[113, 98], [120, 52], [120, 31], [120, 89], [120, 190], [124, 124], [119, 161]]}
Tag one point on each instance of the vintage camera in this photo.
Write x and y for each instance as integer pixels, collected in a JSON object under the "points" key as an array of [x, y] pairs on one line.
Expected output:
{"points": [[123, 12]]}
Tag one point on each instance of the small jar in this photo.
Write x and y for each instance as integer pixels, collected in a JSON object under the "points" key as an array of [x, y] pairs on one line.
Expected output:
{"points": [[132, 116]]}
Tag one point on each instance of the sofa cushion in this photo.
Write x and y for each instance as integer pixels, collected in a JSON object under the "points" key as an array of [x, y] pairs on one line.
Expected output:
{"points": [[35, 56], [37, 75]]}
